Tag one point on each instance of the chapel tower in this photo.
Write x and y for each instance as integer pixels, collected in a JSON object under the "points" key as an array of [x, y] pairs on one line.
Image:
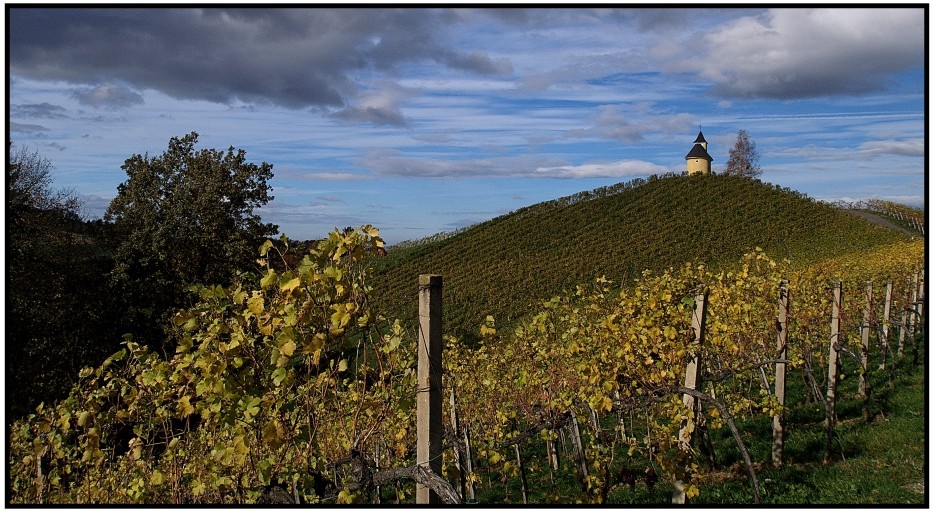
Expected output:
{"points": [[698, 160]]}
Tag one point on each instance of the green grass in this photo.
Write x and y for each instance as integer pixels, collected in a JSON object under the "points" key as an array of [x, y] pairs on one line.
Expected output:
{"points": [[876, 462], [881, 461]]}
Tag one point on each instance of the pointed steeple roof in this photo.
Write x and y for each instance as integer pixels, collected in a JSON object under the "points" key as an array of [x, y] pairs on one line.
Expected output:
{"points": [[698, 152], [700, 138]]}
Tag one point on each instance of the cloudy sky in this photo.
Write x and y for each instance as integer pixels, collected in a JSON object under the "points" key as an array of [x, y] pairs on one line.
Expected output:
{"points": [[424, 120]]}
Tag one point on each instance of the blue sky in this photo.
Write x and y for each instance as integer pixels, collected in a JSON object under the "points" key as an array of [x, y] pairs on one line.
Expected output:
{"points": [[421, 120]]}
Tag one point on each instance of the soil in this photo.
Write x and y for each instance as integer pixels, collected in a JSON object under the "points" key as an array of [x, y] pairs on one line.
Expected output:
{"points": [[881, 221]]}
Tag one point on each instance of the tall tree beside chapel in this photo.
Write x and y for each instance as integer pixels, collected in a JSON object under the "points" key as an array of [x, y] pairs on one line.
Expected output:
{"points": [[743, 157]]}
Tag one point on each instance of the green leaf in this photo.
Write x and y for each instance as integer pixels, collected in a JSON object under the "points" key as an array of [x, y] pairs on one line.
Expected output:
{"points": [[190, 325], [256, 304], [333, 272], [270, 278], [184, 407], [157, 477], [291, 285], [252, 408], [279, 375], [264, 249]]}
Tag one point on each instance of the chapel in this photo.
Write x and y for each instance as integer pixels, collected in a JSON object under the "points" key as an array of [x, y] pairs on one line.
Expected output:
{"points": [[698, 160]]}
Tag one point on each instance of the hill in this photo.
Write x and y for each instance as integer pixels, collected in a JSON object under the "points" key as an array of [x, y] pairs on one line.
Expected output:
{"points": [[505, 266]]}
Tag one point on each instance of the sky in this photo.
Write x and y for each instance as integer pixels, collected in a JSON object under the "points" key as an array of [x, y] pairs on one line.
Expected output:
{"points": [[423, 120]]}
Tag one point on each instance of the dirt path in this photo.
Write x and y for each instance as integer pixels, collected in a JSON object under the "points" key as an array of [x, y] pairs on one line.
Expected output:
{"points": [[877, 219]]}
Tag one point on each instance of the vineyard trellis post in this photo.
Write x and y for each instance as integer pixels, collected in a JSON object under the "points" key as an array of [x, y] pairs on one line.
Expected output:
{"points": [[864, 382], [864, 386], [691, 381], [457, 451], [553, 454], [913, 317], [919, 307], [779, 381], [429, 380], [579, 451], [905, 317], [521, 473], [834, 341], [885, 328], [470, 484]]}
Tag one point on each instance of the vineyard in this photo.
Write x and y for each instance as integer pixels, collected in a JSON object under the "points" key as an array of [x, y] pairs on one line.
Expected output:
{"points": [[291, 387], [503, 266]]}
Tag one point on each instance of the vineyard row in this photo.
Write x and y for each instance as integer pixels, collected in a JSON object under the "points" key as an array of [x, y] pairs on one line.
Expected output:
{"points": [[430, 434], [289, 387]]}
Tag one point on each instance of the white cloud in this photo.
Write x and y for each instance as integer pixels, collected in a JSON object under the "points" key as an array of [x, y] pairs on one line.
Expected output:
{"points": [[379, 106], [619, 169], [107, 96], [394, 163], [611, 123], [25, 128], [799, 53], [914, 147]]}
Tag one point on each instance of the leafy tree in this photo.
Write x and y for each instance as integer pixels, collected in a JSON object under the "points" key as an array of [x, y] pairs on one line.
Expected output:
{"points": [[58, 315], [743, 157], [186, 216], [31, 202]]}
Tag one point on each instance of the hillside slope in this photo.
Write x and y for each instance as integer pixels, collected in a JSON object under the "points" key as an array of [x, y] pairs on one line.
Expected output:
{"points": [[505, 266]]}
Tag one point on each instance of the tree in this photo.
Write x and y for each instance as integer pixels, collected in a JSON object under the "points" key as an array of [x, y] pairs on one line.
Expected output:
{"points": [[184, 217], [58, 315], [743, 157], [31, 202]]}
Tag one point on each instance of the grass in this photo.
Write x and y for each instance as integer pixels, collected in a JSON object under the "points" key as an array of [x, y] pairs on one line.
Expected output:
{"points": [[881, 461]]}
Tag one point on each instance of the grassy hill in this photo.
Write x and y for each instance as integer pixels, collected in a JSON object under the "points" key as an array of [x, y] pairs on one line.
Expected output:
{"points": [[505, 266]]}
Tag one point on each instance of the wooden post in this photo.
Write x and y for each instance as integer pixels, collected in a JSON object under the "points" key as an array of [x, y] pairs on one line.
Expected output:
{"points": [[522, 474], [566, 450], [470, 485], [913, 305], [553, 463], [920, 307], [779, 381], [621, 418], [920, 316], [691, 382], [885, 329], [864, 384], [904, 326], [596, 425], [378, 489], [40, 480], [833, 368], [457, 452], [579, 452], [553, 453], [429, 377]]}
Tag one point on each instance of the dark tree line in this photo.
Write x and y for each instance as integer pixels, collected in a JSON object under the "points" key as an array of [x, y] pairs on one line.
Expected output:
{"points": [[75, 287]]}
